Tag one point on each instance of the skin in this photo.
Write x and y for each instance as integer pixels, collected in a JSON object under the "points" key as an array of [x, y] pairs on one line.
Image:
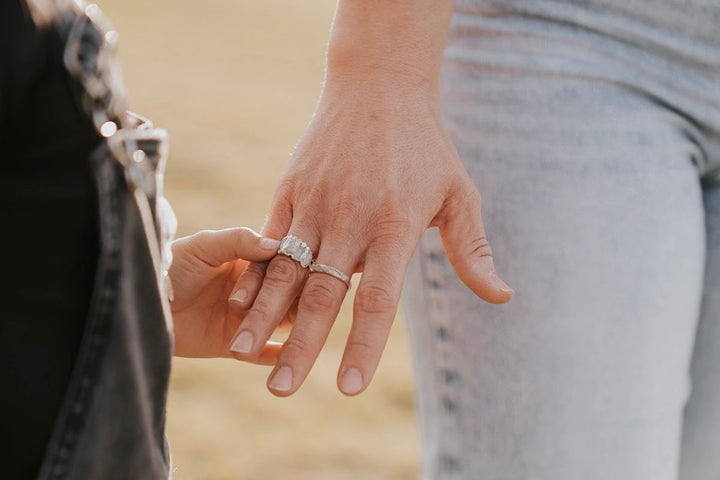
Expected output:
{"points": [[203, 273], [374, 169]]}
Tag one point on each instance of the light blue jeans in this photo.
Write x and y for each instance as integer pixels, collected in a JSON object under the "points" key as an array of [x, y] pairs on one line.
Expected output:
{"points": [[592, 130]]}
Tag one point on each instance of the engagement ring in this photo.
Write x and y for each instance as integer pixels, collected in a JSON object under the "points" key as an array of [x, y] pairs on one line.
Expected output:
{"points": [[296, 249]]}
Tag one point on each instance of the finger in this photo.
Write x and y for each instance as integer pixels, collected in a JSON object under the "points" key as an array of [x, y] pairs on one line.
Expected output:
{"points": [[216, 247], [467, 247], [318, 307], [283, 281], [247, 286], [249, 282], [288, 320], [374, 310], [267, 356]]}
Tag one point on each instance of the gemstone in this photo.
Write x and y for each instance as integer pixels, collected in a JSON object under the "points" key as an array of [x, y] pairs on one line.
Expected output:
{"points": [[283, 245], [293, 244], [306, 258]]}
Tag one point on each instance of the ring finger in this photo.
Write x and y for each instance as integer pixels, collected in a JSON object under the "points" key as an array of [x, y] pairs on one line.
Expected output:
{"points": [[283, 282]]}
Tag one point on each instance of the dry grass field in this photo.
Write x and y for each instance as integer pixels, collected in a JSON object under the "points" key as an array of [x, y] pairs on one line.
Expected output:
{"points": [[235, 82]]}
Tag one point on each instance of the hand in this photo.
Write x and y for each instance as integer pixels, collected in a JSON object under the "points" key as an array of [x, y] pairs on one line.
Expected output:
{"points": [[204, 270], [374, 169]]}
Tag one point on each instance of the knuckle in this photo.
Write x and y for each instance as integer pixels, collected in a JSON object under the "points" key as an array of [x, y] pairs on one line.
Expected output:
{"points": [[243, 235], [314, 196], [257, 268], [317, 297], [394, 209], [258, 313], [201, 241], [347, 207], [361, 349], [283, 271], [296, 345], [253, 274], [392, 240], [480, 247], [464, 194], [344, 216], [375, 299], [286, 186], [366, 343], [391, 229], [203, 235], [310, 194]]}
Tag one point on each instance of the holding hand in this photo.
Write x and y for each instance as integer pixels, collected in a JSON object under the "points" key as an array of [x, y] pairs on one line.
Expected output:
{"points": [[204, 270]]}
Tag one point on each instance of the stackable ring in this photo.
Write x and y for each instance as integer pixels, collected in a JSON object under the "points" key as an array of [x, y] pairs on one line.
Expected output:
{"points": [[332, 271], [296, 249]]}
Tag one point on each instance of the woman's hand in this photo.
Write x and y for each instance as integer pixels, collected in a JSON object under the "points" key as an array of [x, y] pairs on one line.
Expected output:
{"points": [[369, 176], [204, 270], [374, 169]]}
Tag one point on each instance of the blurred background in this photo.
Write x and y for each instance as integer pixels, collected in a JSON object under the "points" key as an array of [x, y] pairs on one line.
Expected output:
{"points": [[235, 82]]}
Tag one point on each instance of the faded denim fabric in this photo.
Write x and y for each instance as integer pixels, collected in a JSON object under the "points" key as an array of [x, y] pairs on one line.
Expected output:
{"points": [[112, 422], [592, 130]]}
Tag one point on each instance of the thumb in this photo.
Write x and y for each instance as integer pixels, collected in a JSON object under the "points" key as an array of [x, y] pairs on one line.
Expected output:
{"points": [[215, 247], [468, 250]]}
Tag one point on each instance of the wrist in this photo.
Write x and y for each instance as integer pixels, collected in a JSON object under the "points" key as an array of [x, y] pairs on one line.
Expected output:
{"points": [[376, 76], [395, 45]]}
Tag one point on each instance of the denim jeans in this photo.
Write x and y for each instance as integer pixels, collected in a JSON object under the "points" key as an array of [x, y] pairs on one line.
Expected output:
{"points": [[592, 130]]}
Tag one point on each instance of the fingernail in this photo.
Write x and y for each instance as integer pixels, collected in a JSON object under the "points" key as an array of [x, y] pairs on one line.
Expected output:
{"points": [[500, 284], [240, 296], [268, 244], [282, 380], [243, 343], [351, 381]]}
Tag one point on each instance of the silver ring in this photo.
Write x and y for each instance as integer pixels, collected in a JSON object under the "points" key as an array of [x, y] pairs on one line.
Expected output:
{"points": [[296, 249], [332, 271]]}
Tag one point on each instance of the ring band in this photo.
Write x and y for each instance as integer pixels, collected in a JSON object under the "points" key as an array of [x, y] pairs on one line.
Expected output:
{"points": [[332, 271], [296, 249]]}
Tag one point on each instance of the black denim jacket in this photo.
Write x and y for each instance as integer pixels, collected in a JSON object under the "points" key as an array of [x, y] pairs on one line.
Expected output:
{"points": [[111, 424]]}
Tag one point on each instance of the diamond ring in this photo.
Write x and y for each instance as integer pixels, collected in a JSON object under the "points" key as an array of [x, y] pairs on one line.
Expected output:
{"points": [[332, 271], [296, 249]]}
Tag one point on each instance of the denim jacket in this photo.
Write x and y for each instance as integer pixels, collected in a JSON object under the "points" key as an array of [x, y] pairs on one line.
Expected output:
{"points": [[111, 424]]}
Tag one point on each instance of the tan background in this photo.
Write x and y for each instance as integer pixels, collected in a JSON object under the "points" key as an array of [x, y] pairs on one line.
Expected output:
{"points": [[235, 82]]}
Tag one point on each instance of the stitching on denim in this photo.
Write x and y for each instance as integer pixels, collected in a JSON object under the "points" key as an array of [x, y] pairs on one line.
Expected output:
{"points": [[447, 378], [99, 322]]}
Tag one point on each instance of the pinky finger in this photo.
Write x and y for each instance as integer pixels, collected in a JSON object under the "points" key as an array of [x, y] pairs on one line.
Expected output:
{"points": [[374, 310]]}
